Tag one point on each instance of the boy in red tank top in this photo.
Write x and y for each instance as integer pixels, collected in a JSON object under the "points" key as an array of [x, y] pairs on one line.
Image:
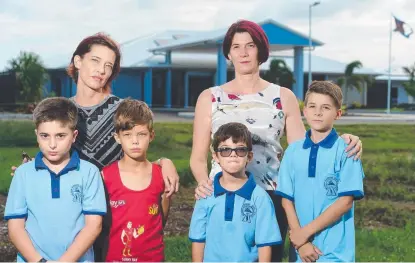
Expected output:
{"points": [[135, 187]]}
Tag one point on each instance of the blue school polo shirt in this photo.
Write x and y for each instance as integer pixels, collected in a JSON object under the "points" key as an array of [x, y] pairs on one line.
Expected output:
{"points": [[55, 205], [234, 224], [314, 176]]}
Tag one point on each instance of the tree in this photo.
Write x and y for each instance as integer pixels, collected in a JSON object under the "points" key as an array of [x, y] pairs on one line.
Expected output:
{"points": [[352, 81], [31, 76], [410, 84], [279, 73]]}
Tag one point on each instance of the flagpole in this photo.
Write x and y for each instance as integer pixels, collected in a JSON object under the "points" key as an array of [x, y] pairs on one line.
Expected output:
{"points": [[388, 104]]}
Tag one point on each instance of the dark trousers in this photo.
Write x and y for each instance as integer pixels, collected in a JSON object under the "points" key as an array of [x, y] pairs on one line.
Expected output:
{"points": [[102, 242], [278, 250]]}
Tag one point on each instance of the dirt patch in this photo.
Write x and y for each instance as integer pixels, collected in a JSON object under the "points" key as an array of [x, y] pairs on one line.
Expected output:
{"points": [[180, 213], [177, 224], [7, 250]]}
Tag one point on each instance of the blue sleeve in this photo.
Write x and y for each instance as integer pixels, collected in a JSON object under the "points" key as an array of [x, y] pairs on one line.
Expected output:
{"points": [[16, 205], [197, 230], [267, 231], [351, 178], [285, 185], [93, 198]]}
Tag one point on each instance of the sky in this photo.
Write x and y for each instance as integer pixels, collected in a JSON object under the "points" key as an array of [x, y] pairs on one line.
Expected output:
{"points": [[350, 30]]}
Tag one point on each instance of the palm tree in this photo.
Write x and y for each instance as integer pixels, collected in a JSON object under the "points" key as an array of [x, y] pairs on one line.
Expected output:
{"points": [[31, 76], [410, 84], [352, 81], [279, 73]]}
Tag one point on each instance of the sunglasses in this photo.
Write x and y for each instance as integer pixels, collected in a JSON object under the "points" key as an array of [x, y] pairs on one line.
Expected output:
{"points": [[226, 151]]}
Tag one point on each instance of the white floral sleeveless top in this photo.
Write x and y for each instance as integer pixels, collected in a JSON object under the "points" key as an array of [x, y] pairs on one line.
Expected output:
{"points": [[262, 113]]}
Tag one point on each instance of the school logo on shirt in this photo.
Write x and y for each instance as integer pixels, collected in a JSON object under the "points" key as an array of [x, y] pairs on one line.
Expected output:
{"points": [[153, 209], [76, 192], [331, 185], [248, 211]]}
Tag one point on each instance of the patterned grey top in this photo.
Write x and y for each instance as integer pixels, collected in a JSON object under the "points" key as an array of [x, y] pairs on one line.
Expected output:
{"points": [[262, 113], [95, 142]]}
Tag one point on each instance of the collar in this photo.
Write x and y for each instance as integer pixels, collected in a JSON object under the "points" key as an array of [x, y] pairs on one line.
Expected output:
{"points": [[73, 163], [327, 142], [245, 191]]}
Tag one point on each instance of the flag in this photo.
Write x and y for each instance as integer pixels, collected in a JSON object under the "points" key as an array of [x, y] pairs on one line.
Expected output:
{"points": [[403, 28]]}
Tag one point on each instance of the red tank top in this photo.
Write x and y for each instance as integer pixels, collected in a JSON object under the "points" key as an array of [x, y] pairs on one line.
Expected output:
{"points": [[136, 233]]}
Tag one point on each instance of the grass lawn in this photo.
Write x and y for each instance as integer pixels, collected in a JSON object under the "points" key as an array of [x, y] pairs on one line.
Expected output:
{"points": [[394, 109], [385, 219], [372, 245]]}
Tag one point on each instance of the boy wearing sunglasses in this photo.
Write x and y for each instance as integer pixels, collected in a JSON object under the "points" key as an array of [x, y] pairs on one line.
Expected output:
{"points": [[237, 223]]}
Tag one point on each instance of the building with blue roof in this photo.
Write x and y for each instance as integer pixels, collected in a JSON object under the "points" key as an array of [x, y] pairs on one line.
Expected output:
{"points": [[170, 69]]}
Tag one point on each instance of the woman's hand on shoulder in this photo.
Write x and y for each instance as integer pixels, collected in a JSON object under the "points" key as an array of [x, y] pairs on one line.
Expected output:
{"points": [[354, 145], [204, 189]]}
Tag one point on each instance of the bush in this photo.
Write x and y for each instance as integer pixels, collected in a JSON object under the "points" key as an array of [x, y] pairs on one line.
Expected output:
{"points": [[301, 104], [26, 108], [355, 105], [344, 109], [407, 106], [186, 178]]}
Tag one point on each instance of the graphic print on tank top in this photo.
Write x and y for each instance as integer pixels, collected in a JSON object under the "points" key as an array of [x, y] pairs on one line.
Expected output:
{"points": [[136, 233], [263, 114], [127, 235]]}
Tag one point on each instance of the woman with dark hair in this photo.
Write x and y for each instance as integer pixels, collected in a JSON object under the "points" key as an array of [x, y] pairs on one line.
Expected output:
{"points": [[94, 64], [268, 111]]}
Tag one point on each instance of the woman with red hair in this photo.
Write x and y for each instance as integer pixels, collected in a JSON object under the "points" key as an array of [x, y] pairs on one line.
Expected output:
{"points": [[268, 111], [94, 64]]}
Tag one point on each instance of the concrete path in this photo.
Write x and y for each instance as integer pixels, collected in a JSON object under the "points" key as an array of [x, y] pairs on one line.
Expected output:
{"points": [[187, 117]]}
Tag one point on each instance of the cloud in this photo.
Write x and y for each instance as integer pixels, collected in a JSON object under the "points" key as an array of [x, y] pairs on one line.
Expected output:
{"points": [[353, 29]]}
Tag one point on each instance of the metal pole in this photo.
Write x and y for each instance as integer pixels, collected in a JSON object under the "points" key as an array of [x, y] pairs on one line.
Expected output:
{"points": [[388, 104], [309, 45], [309, 40]]}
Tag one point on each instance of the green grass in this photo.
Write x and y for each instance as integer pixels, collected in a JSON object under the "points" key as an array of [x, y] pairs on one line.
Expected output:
{"points": [[172, 141], [379, 245], [11, 156], [385, 245], [177, 249], [394, 109], [385, 219], [17, 133]]}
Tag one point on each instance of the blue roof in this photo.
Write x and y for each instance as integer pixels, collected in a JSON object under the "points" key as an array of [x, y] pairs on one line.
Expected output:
{"points": [[136, 52], [277, 33], [319, 64]]}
